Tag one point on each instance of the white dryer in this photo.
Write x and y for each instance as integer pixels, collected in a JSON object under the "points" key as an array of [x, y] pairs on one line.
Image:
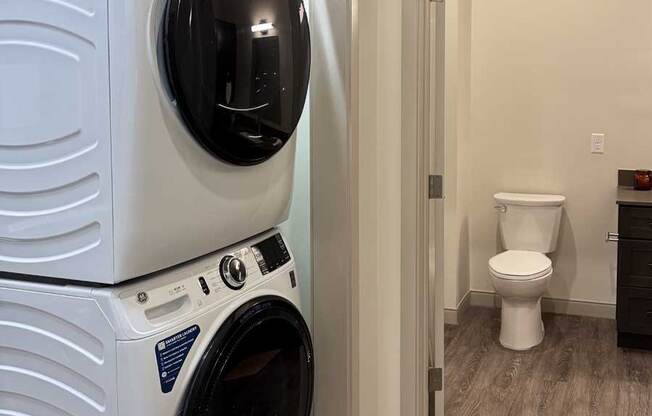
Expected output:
{"points": [[222, 335], [136, 135]]}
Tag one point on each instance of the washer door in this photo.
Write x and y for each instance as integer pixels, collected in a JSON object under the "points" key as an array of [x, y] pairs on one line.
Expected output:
{"points": [[238, 71], [258, 364]]}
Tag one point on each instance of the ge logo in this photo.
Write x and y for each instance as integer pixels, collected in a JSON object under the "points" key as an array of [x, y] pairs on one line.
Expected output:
{"points": [[142, 297]]}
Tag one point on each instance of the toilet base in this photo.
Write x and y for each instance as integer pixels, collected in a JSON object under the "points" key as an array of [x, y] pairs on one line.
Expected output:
{"points": [[521, 325]]}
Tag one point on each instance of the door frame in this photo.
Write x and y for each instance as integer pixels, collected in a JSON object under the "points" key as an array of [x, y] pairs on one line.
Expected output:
{"points": [[416, 228], [369, 206], [435, 139]]}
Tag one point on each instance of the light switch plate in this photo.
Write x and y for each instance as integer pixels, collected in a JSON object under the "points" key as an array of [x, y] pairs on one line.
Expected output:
{"points": [[597, 143]]}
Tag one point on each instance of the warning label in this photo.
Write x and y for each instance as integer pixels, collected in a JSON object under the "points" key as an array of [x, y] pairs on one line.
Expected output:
{"points": [[171, 354]]}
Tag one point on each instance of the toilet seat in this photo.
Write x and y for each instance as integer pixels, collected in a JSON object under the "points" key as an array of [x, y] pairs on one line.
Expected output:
{"points": [[517, 265]]}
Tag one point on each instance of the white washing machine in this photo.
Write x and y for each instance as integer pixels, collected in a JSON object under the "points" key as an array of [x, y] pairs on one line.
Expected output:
{"points": [[222, 335], [136, 135]]}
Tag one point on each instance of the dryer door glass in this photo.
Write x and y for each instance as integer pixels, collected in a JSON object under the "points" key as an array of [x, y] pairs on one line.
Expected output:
{"points": [[259, 364], [238, 71]]}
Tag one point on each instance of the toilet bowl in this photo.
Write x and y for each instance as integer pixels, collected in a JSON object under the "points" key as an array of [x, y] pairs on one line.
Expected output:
{"points": [[529, 226], [521, 278]]}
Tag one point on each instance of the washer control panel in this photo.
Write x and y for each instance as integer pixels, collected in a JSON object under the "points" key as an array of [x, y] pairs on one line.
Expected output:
{"points": [[211, 280], [204, 286], [233, 272], [271, 253]]}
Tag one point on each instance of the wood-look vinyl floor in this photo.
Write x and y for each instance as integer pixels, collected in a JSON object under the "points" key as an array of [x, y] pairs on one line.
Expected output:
{"points": [[577, 370]]}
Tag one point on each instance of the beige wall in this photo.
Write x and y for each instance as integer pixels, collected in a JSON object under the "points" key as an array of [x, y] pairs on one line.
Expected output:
{"points": [[457, 152], [545, 75]]}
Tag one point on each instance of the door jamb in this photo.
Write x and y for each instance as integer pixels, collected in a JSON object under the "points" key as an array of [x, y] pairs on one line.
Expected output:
{"points": [[415, 215], [335, 164], [435, 139]]}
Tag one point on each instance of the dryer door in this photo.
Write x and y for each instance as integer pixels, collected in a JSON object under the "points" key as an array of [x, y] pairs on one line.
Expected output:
{"points": [[260, 363], [238, 71]]}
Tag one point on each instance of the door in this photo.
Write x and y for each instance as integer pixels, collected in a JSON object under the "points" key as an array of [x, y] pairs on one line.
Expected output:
{"points": [[260, 363], [238, 73]]}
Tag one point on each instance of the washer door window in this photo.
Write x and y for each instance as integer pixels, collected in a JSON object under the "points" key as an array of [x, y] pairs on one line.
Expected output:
{"points": [[238, 71], [259, 364]]}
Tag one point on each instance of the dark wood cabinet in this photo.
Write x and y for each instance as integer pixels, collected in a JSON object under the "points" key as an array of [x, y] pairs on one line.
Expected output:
{"points": [[635, 263], [635, 222], [634, 309]]}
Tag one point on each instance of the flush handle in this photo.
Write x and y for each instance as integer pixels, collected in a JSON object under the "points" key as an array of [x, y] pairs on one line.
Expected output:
{"points": [[501, 208], [649, 314]]}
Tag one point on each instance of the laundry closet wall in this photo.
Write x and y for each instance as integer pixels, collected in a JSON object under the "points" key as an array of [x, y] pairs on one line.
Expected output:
{"points": [[297, 227]]}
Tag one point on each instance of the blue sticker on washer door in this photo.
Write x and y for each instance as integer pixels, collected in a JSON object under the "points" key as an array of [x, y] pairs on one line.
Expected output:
{"points": [[171, 354]]}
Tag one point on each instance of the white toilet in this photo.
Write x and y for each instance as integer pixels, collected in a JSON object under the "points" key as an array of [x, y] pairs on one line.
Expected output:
{"points": [[529, 226]]}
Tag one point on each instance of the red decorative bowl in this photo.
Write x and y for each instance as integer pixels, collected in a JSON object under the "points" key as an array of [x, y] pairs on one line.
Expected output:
{"points": [[643, 180]]}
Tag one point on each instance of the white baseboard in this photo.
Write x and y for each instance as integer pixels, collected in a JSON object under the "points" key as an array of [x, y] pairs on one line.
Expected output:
{"points": [[551, 305], [452, 316], [485, 299]]}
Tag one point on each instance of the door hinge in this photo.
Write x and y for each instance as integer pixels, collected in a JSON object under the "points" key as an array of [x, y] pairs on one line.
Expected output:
{"points": [[436, 187], [435, 379]]}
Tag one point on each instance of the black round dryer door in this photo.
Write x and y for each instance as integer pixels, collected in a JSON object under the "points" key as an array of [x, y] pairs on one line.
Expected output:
{"points": [[238, 71], [260, 363]]}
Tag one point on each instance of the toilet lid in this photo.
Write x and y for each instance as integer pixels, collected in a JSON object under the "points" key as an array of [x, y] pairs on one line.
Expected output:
{"points": [[520, 265]]}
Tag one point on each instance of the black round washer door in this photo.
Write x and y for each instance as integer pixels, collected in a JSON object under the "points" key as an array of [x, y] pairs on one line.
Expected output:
{"points": [[260, 363], [238, 71]]}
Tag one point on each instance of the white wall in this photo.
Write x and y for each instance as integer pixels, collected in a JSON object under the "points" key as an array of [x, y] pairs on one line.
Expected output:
{"points": [[297, 228], [545, 75], [333, 243], [458, 181]]}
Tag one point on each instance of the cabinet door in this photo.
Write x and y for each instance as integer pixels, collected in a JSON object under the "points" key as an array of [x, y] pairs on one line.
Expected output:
{"points": [[635, 310], [635, 222], [635, 263]]}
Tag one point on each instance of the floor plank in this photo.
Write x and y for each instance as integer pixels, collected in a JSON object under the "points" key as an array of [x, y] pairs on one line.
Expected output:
{"points": [[577, 370]]}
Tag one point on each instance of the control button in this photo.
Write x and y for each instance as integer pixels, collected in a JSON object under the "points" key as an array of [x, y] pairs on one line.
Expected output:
{"points": [[204, 286], [234, 272], [142, 297]]}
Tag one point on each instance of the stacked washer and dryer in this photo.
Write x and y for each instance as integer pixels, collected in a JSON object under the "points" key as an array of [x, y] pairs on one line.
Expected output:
{"points": [[146, 157]]}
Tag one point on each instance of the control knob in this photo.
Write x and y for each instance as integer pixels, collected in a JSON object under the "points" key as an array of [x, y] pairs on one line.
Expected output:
{"points": [[234, 272]]}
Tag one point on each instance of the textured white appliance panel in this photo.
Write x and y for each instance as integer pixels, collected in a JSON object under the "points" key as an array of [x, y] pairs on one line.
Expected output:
{"points": [[55, 181], [57, 356]]}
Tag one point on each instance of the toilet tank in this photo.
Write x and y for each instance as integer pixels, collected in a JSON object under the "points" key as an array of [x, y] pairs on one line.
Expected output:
{"points": [[529, 221]]}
